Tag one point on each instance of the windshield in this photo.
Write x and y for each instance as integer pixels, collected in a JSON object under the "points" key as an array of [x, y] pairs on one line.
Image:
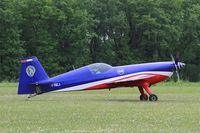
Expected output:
{"points": [[98, 68]]}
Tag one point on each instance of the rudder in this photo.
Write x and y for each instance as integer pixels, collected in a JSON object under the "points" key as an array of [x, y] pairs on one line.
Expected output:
{"points": [[31, 73]]}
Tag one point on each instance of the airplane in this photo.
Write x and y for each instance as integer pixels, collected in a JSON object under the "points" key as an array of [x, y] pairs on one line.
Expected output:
{"points": [[35, 81]]}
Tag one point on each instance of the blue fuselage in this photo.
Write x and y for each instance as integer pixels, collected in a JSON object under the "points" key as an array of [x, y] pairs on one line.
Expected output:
{"points": [[84, 75]]}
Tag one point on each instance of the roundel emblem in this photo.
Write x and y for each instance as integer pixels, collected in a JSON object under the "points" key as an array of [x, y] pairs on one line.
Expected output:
{"points": [[120, 71], [30, 71]]}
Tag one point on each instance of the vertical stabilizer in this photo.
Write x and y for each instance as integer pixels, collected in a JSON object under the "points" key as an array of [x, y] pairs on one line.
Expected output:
{"points": [[31, 72]]}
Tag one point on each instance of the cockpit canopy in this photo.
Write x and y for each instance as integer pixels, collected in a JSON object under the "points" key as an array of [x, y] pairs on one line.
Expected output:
{"points": [[98, 68]]}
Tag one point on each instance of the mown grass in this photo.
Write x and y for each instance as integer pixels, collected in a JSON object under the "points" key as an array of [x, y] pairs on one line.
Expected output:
{"points": [[118, 110]]}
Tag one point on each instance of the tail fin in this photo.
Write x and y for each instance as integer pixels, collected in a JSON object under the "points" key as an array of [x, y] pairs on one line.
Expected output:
{"points": [[31, 72]]}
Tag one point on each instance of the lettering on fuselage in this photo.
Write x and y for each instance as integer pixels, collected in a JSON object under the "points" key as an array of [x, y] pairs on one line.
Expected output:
{"points": [[55, 84]]}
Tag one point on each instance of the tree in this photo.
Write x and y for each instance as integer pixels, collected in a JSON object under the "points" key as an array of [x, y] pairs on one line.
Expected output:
{"points": [[110, 41], [191, 39], [10, 44], [65, 34]]}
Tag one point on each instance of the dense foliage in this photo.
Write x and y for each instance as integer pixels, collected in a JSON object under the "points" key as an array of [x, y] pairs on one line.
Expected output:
{"points": [[71, 33]]}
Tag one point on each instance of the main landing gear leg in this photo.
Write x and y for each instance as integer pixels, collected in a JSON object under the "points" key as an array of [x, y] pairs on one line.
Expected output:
{"points": [[143, 96], [152, 97]]}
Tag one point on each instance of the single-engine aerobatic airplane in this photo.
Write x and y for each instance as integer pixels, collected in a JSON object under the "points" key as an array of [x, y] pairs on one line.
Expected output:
{"points": [[34, 80]]}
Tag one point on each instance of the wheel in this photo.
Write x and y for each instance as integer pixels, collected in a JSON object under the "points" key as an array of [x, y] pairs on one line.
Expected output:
{"points": [[153, 98], [143, 97]]}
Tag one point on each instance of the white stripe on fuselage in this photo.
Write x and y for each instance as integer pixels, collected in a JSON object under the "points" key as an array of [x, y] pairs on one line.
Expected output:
{"points": [[138, 76]]}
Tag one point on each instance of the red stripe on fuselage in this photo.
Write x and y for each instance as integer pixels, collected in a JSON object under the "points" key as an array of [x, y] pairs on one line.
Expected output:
{"points": [[150, 81]]}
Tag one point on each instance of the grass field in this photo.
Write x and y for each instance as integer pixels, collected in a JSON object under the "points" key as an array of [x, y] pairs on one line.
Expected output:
{"points": [[118, 110]]}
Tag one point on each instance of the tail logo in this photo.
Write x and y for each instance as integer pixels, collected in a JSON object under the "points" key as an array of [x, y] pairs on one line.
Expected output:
{"points": [[30, 71]]}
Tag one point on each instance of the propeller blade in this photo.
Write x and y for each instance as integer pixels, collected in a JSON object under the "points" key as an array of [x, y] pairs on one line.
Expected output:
{"points": [[172, 57], [176, 65], [178, 76]]}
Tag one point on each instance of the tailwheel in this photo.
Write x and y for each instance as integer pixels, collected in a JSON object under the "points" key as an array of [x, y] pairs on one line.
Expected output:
{"points": [[143, 97], [153, 98]]}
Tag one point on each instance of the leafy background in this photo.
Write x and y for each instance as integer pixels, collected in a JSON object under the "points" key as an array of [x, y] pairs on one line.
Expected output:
{"points": [[67, 33]]}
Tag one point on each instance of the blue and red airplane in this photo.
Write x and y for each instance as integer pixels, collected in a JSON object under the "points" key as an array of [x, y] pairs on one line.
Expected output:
{"points": [[34, 80]]}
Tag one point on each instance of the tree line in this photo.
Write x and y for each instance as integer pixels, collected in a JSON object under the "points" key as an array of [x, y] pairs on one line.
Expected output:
{"points": [[71, 33]]}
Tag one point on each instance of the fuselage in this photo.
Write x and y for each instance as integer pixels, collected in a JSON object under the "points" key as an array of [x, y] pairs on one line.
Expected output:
{"points": [[101, 76]]}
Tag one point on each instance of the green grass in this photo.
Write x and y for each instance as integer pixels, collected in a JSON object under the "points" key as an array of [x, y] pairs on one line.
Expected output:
{"points": [[118, 110]]}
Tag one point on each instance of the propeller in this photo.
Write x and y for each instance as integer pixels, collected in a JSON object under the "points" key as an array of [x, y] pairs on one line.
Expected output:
{"points": [[177, 65]]}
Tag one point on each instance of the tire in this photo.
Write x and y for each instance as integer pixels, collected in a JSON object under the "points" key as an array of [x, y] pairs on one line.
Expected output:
{"points": [[153, 98], [143, 97]]}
